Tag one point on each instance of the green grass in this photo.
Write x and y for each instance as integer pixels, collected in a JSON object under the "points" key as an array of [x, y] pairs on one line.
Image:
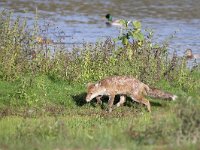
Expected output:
{"points": [[61, 119], [43, 90]]}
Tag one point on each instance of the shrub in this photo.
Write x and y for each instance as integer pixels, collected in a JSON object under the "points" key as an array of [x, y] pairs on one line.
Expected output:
{"points": [[132, 53]]}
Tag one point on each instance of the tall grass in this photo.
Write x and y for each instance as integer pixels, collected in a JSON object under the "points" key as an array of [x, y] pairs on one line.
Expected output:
{"points": [[23, 57]]}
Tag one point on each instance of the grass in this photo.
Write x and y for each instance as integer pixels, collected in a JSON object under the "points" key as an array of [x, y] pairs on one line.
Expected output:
{"points": [[62, 120], [43, 89]]}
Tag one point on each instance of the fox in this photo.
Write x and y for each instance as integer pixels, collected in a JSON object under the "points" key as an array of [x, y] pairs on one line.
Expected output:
{"points": [[125, 86]]}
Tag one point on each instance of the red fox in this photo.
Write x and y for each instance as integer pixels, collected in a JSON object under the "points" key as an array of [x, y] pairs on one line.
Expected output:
{"points": [[124, 86]]}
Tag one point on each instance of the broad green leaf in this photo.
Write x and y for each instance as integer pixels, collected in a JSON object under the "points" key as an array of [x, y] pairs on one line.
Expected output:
{"points": [[138, 36], [137, 24], [123, 22], [124, 41]]}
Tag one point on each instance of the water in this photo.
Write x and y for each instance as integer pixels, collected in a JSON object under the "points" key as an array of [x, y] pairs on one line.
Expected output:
{"points": [[84, 20]]}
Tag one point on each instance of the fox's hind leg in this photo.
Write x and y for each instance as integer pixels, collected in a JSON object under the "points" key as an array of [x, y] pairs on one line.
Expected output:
{"points": [[121, 101], [141, 99]]}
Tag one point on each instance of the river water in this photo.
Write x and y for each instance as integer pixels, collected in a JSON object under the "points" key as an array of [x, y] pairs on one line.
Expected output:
{"points": [[77, 21]]}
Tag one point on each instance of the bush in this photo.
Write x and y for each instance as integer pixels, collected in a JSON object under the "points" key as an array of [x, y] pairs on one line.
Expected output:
{"points": [[22, 54]]}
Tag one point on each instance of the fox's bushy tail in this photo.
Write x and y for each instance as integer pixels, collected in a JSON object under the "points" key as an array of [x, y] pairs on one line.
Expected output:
{"points": [[157, 93]]}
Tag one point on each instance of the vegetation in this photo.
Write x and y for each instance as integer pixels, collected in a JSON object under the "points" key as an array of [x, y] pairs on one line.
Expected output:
{"points": [[42, 92]]}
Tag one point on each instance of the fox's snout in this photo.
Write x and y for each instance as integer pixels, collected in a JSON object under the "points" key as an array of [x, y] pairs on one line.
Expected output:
{"points": [[88, 98]]}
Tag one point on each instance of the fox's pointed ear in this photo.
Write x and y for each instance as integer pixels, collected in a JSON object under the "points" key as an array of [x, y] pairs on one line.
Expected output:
{"points": [[90, 84], [97, 84]]}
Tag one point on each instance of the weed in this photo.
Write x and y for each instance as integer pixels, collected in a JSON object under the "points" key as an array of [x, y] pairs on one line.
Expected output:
{"points": [[137, 56], [51, 130], [189, 129]]}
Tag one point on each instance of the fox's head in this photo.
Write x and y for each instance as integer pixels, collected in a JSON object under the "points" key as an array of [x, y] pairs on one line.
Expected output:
{"points": [[94, 90]]}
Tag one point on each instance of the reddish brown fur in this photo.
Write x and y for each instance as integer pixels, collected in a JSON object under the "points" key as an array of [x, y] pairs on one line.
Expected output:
{"points": [[157, 93], [124, 85]]}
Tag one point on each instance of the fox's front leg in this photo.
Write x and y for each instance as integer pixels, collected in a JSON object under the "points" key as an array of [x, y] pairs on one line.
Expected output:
{"points": [[121, 101], [99, 101], [110, 102]]}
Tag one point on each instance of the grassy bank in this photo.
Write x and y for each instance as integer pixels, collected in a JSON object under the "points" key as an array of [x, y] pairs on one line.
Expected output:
{"points": [[43, 85], [61, 119]]}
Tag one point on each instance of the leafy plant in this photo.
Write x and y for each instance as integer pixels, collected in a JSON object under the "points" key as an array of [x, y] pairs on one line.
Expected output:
{"points": [[22, 55]]}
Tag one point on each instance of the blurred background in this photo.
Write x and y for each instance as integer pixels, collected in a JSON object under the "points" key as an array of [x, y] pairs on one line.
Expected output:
{"points": [[77, 21]]}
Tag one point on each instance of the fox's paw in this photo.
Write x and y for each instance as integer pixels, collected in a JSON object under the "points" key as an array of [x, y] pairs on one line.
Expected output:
{"points": [[118, 104], [99, 102], [174, 97], [109, 110]]}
